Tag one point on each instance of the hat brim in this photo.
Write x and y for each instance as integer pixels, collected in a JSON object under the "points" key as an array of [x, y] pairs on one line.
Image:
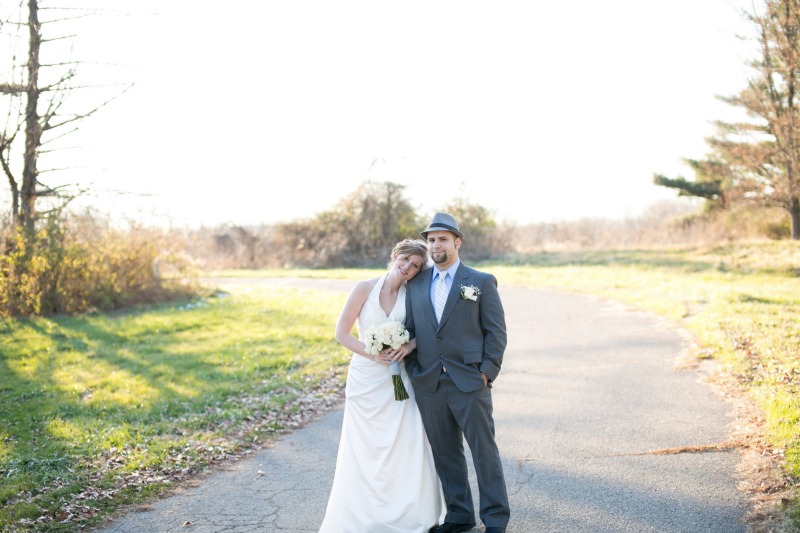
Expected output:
{"points": [[441, 228]]}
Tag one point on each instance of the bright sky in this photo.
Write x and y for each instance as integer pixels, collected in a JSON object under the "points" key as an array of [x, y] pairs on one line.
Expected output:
{"points": [[262, 111]]}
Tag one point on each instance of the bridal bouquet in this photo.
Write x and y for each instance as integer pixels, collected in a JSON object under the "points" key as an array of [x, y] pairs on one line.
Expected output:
{"points": [[381, 336]]}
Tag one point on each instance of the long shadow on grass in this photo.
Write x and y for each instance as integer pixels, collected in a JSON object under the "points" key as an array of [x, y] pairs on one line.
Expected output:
{"points": [[52, 424], [36, 455], [61, 413], [167, 380]]}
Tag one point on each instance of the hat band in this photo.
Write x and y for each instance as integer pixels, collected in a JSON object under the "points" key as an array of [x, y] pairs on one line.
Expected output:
{"points": [[434, 227]]}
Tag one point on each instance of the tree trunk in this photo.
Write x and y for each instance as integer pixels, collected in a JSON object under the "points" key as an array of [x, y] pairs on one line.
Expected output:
{"points": [[794, 211], [33, 129]]}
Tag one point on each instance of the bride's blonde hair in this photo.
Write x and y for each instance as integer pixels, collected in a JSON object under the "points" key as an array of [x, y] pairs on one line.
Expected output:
{"points": [[409, 247]]}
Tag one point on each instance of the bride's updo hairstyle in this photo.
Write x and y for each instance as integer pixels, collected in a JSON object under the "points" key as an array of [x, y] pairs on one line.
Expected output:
{"points": [[409, 247]]}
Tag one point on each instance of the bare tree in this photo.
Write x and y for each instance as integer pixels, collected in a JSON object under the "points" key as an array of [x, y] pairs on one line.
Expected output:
{"points": [[36, 111]]}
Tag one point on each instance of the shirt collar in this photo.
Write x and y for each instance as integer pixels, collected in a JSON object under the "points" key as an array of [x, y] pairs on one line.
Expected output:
{"points": [[451, 270]]}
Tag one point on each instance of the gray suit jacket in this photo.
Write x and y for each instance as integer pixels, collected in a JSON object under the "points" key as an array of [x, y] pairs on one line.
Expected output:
{"points": [[470, 339]]}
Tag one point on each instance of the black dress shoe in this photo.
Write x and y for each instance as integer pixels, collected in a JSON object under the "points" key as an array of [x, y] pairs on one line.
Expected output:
{"points": [[450, 527], [495, 530]]}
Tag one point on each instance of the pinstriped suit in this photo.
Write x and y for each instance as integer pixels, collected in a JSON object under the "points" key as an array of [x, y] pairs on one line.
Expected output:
{"points": [[455, 404]]}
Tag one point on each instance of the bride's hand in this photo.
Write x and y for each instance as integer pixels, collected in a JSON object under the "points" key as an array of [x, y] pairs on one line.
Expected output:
{"points": [[390, 355]]}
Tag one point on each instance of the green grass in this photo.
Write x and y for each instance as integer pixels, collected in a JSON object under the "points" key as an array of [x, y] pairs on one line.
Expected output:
{"points": [[88, 400], [162, 391]]}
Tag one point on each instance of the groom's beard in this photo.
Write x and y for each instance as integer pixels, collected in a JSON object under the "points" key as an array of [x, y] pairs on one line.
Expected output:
{"points": [[441, 258]]}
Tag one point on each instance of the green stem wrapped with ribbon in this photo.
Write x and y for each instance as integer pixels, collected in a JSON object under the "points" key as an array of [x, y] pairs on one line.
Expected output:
{"points": [[400, 392]]}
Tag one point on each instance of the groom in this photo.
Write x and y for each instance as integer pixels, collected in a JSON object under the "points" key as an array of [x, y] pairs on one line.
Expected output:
{"points": [[456, 316]]}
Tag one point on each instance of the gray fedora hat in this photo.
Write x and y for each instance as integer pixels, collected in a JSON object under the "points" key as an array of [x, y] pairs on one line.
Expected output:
{"points": [[443, 222]]}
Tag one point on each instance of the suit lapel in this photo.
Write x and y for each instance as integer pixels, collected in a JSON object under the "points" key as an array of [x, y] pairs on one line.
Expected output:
{"points": [[459, 279]]}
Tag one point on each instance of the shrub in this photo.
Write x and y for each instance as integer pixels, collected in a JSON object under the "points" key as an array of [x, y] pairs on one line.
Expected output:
{"points": [[78, 263]]}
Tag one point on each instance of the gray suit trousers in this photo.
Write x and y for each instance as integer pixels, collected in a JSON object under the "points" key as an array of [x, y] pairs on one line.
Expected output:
{"points": [[451, 415]]}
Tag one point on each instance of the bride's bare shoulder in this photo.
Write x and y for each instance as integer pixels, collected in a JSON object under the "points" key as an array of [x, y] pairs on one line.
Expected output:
{"points": [[365, 286]]}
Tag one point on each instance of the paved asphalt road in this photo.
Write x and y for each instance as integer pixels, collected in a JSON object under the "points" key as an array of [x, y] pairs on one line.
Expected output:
{"points": [[587, 387]]}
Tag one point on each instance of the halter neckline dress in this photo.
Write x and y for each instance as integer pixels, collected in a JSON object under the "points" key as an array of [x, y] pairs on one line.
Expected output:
{"points": [[385, 480]]}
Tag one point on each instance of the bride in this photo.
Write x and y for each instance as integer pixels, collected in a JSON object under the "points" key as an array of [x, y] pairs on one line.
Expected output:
{"points": [[385, 479]]}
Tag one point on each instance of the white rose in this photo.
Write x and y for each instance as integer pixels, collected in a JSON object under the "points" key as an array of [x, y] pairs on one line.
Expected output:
{"points": [[469, 294]]}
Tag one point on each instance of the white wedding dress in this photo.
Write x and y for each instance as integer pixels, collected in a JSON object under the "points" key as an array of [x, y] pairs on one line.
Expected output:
{"points": [[385, 480]]}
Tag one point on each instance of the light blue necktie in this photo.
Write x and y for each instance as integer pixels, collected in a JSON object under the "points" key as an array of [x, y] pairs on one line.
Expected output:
{"points": [[440, 295]]}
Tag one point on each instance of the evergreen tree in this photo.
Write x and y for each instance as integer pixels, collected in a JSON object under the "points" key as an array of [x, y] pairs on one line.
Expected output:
{"points": [[757, 161]]}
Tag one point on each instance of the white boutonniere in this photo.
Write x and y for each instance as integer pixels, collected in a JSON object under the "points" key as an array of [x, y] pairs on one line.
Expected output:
{"points": [[470, 292]]}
